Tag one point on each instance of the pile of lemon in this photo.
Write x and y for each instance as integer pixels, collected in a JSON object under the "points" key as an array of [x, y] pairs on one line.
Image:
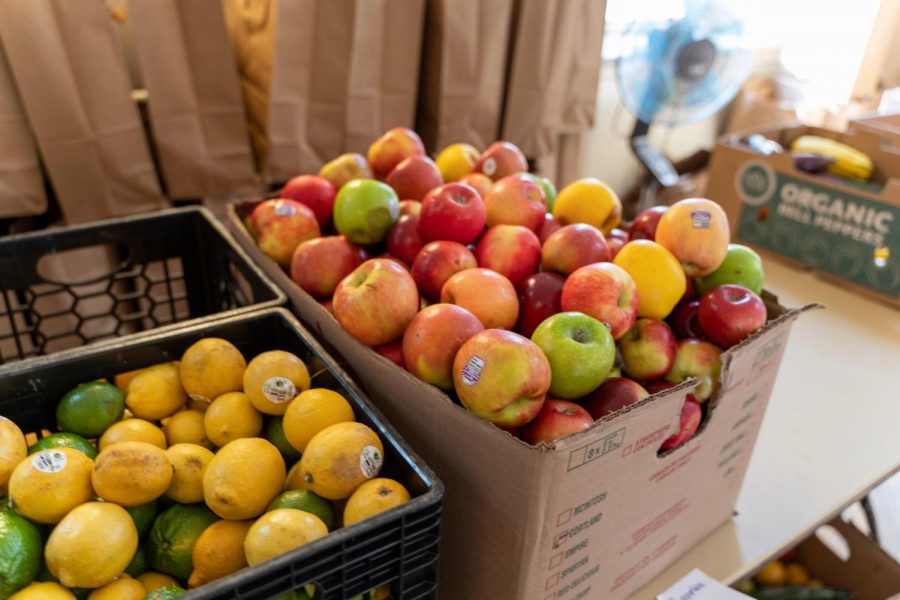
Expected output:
{"points": [[187, 480]]}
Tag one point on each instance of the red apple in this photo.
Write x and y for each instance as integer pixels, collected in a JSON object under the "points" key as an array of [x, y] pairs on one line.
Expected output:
{"points": [[403, 239], [486, 294], [282, 226], [605, 292], [647, 349], [501, 377], [516, 200], [730, 313], [346, 168], [644, 225], [541, 298], [319, 265], [393, 351], [698, 359], [414, 177], [501, 159], [453, 211], [614, 395], [313, 191], [392, 147], [376, 301], [511, 250], [480, 182], [550, 225], [691, 414], [432, 340], [410, 207], [660, 385], [615, 240], [436, 262], [573, 247], [556, 419], [684, 320]]}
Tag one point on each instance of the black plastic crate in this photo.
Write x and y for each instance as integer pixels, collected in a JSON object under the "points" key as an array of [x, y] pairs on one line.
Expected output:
{"points": [[62, 288], [398, 547]]}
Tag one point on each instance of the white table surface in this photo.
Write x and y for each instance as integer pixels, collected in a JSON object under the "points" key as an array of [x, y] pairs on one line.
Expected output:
{"points": [[830, 434]]}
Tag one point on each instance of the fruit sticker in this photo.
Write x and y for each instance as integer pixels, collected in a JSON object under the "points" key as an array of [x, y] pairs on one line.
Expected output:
{"points": [[370, 460], [489, 167], [49, 461], [471, 373], [283, 209], [279, 389], [700, 219]]}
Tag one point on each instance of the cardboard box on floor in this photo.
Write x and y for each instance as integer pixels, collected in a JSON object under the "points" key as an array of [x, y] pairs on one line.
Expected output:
{"points": [[595, 515], [865, 569], [844, 231]]}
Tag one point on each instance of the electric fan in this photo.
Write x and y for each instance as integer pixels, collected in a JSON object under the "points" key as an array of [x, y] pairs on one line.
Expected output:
{"points": [[679, 71]]}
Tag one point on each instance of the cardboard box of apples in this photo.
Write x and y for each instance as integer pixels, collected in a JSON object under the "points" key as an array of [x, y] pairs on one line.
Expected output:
{"points": [[589, 395]]}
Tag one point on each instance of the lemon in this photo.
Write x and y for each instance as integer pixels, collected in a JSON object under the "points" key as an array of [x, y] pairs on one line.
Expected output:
{"points": [[456, 161], [795, 574], [340, 458], [123, 588], [588, 201], [219, 551], [47, 590], [133, 430], [294, 479], [21, 547], [373, 497], [306, 500], [152, 581], [311, 412], [65, 440], [131, 473], [190, 462], [273, 379], [212, 367], [13, 449], [90, 408], [49, 484], [657, 274], [156, 392], [170, 543], [279, 531], [123, 380], [92, 545], [232, 416], [772, 574], [186, 427], [242, 478]]}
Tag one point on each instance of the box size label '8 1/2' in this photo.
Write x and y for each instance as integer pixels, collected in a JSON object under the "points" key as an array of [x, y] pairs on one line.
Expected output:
{"points": [[846, 235]]}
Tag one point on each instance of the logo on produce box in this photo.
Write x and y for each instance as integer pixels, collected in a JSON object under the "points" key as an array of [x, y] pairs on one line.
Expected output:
{"points": [[822, 226]]}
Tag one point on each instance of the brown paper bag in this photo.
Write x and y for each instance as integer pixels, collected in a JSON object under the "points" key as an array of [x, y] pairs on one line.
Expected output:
{"points": [[72, 78], [323, 77], [554, 73], [196, 109], [21, 186], [383, 79], [463, 71]]}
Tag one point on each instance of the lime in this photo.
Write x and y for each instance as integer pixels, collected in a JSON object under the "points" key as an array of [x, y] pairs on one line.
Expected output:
{"points": [[143, 516], [164, 593], [138, 564], [306, 593], [275, 434], [90, 408], [306, 500], [21, 550], [170, 544], [65, 440]]}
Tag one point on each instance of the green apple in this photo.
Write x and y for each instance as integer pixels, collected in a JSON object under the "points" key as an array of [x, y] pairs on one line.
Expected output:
{"points": [[547, 186], [364, 210], [581, 352], [742, 266]]}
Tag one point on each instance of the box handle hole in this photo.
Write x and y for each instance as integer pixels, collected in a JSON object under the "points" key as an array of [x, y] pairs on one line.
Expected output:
{"points": [[66, 267]]}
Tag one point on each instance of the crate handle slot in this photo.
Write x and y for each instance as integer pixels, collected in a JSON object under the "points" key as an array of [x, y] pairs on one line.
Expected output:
{"points": [[62, 266]]}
